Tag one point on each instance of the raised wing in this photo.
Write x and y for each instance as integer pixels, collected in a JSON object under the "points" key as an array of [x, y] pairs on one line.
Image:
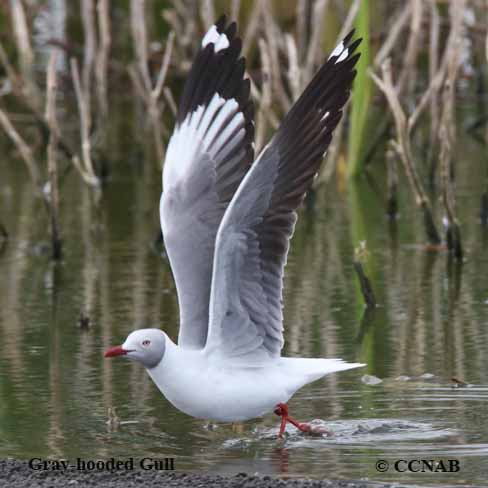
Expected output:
{"points": [[208, 154], [246, 319]]}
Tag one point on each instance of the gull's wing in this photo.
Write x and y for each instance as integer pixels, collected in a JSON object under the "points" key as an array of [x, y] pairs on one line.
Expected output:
{"points": [[246, 320], [209, 153]]}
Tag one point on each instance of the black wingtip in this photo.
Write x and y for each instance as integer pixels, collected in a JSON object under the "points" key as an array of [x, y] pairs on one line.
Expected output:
{"points": [[220, 24], [231, 30], [352, 47], [349, 36]]}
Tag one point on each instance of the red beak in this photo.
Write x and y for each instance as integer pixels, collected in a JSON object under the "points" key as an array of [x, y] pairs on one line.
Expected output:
{"points": [[115, 351]]}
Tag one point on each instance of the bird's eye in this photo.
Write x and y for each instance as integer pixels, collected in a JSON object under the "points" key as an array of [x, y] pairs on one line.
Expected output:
{"points": [[146, 343]]}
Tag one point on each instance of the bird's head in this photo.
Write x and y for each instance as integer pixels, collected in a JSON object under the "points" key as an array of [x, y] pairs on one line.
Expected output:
{"points": [[144, 345]]}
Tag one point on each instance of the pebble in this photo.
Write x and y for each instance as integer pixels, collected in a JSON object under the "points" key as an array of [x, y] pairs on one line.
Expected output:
{"points": [[368, 379], [402, 378]]}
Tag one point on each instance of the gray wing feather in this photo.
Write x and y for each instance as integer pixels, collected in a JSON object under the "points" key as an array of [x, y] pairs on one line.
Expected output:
{"points": [[209, 153], [246, 319]]}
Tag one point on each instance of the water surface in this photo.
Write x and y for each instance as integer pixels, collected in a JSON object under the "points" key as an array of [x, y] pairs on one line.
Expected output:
{"points": [[56, 388]]}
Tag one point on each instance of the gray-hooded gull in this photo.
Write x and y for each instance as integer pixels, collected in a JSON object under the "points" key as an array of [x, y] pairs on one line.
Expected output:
{"points": [[227, 221]]}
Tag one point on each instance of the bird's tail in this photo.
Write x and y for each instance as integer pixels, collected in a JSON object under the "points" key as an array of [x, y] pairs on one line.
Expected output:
{"points": [[306, 370]]}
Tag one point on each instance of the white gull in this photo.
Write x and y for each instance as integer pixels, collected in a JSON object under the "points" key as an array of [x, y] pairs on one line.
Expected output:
{"points": [[227, 222]]}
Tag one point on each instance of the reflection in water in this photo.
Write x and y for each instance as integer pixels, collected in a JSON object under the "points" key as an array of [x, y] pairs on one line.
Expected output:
{"points": [[56, 388]]}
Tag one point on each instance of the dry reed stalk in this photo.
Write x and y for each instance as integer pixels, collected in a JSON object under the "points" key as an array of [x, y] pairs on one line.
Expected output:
{"points": [[139, 38], [437, 79], [253, 25], [207, 12], [235, 8], [392, 181], [3, 237], [171, 100], [447, 132], [27, 102], [136, 81], [182, 19], [24, 150], [101, 62], [434, 41], [394, 32], [453, 231], [360, 255], [257, 96], [265, 101], [51, 119], [26, 81], [22, 38], [301, 23], [349, 21], [408, 74], [434, 100], [141, 77], [334, 149], [403, 148], [9, 69], [314, 55], [153, 97], [90, 46], [294, 72], [156, 92], [273, 38], [85, 167]]}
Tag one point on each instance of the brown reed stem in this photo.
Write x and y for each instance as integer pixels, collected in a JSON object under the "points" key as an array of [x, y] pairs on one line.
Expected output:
{"points": [[314, 54], [434, 99], [394, 32], [273, 36], [253, 25], [52, 123], [265, 102], [21, 33], [349, 21], [392, 181], [447, 134], [102, 55], [141, 77], [27, 103], [85, 168], [24, 150], [139, 37], [403, 148], [89, 49], [3, 232], [409, 71], [360, 254], [294, 72], [207, 12], [235, 8], [3, 237]]}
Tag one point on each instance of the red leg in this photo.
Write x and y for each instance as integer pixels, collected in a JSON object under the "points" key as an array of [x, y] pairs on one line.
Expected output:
{"points": [[282, 426], [282, 411]]}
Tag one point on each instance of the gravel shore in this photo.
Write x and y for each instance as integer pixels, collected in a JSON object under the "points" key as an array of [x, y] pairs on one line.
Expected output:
{"points": [[17, 473]]}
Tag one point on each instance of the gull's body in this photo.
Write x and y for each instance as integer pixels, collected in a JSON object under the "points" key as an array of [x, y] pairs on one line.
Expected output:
{"points": [[186, 376], [227, 221]]}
